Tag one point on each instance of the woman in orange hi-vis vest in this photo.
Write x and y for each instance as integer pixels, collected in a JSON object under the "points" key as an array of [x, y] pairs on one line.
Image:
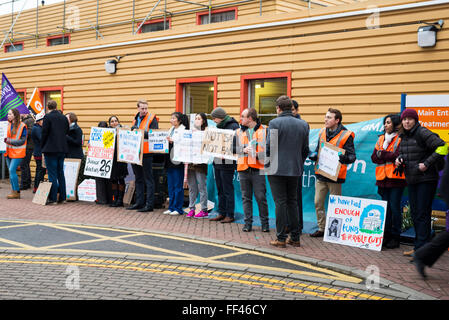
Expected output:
{"points": [[16, 142], [390, 183]]}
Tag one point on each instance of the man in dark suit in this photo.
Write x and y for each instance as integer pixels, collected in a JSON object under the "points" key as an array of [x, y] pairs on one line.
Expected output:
{"points": [[54, 146], [287, 147]]}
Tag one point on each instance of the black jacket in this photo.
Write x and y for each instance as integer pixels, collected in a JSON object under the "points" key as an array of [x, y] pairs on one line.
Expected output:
{"points": [[228, 123], [415, 153], [75, 142], [54, 131]]}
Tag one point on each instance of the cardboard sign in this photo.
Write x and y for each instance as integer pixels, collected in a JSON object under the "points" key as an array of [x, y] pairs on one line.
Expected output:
{"points": [[355, 222], [87, 190], [71, 171], [327, 164], [129, 192], [3, 135], [42, 192], [218, 143], [157, 141], [100, 152], [130, 146]]}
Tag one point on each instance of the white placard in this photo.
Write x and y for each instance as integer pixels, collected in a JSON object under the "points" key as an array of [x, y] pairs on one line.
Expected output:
{"points": [[157, 141], [130, 146], [3, 135], [71, 171], [87, 190], [355, 222], [187, 147], [100, 152], [328, 163]]}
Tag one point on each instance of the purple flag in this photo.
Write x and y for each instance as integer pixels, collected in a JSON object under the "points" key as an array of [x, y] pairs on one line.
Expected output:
{"points": [[10, 100]]}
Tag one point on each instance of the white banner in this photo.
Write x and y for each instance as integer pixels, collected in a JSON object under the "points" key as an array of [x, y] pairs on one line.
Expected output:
{"points": [[3, 134]]}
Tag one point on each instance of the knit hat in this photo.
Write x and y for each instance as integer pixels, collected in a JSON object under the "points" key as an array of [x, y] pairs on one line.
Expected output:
{"points": [[219, 113], [409, 113]]}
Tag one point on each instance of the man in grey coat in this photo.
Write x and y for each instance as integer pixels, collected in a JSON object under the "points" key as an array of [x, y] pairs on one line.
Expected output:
{"points": [[287, 148]]}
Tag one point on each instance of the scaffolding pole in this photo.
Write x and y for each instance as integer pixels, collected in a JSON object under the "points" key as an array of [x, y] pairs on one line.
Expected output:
{"points": [[148, 15], [12, 25]]}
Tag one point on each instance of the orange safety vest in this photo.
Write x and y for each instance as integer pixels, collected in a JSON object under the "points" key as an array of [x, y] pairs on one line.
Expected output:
{"points": [[246, 160], [385, 170], [16, 152], [339, 141], [145, 126]]}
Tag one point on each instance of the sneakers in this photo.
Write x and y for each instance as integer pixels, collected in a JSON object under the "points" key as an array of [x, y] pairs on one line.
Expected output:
{"points": [[191, 213], [175, 213], [201, 214], [166, 212]]}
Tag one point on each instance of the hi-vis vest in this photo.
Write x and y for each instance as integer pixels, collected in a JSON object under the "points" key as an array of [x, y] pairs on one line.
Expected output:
{"points": [[246, 160], [385, 170], [145, 126], [339, 141], [16, 152]]}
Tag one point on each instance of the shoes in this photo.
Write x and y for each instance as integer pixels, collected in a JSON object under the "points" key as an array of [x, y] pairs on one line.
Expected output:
{"points": [[279, 244], [201, 214], [247, 228], [293, 243], [145, 209], [175, 213], [191, 213], [420, 267], [13, 195], [34, 190], [135, 207], [317, 234], [409, 253], [218, 218], [392, 244], [227, 220], [51, 203], [167, 211], [266, 228]]}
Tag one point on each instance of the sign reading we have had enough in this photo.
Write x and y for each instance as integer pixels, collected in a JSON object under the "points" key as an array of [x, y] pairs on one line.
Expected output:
{"points": [[218, 143], [355, 222], [100, 152]]}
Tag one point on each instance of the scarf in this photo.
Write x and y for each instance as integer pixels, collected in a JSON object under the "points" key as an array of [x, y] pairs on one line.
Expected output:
{"points": [[388, 138]]}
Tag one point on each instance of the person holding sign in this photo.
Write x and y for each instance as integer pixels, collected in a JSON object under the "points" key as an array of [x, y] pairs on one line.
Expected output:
{"points": [[16, 142], [119, 170], [390, 183], [339, 136], [145, 121], [251, 141], [421, 149]]}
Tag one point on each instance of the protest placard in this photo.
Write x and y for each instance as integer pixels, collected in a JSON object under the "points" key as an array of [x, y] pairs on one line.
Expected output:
{"points": [[130, 146], [355, 222], [327, 164], [187, 146], [71, 171], [100, 152], [3, 134], [42, 192], [218, 143], [157, 141], [87, 190]]}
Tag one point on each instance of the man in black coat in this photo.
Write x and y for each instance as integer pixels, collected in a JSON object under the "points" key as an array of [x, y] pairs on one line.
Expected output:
{"points": [[54, 146]]}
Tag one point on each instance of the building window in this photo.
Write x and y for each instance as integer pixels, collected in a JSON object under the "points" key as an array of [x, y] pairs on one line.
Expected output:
{"points": [[22, 94], [54, 93], [196, 95], [155, 25], [260, 91], [12, 47], [216, 16], [58, 40]]}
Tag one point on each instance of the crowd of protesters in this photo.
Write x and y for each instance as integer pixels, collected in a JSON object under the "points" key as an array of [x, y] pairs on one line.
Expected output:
{"points": [[406, 154]]}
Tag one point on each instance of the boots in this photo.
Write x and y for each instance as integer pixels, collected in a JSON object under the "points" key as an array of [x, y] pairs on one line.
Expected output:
{"points": [[114, 194], [118, 196], [14, 195]]}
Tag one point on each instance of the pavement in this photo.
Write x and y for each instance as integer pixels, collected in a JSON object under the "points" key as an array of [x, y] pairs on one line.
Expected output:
{"points": [[79, 231]]}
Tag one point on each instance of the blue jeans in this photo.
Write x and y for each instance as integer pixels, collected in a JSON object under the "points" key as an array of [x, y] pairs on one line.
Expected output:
{"points": [[175, 179], [393, 220], [12, 166], [55, 169]]}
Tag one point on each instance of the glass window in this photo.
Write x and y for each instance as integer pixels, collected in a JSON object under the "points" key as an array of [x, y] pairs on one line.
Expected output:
{"points": [[198, 97], [218, 16], [58, 41], [13, 47], [155, 26], [262, 95], [52, 95], [21, 95]]}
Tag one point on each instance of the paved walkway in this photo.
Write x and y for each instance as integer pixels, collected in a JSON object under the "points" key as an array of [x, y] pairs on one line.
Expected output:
{"points": [[396, 271]]}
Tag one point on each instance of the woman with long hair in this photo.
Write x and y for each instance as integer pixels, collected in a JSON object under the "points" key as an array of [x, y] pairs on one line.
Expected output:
{"points": [[197, 176], [119, 170], [16, 141]]}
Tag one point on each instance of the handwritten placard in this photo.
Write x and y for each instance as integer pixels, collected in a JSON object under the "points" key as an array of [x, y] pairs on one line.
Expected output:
{"points": [[3, 134], [87, 190], [130, 146], [218, 143], [328, 164], [157, 141], [187, 146], [355, 222], [71, 171], [100, 152]]}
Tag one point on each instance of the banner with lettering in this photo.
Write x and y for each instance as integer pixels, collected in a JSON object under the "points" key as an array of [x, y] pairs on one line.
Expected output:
{"points": [[130, 146], [218, 143], [187, 147], [10, 100], [100, 152], [355, 222], [157, 141]]}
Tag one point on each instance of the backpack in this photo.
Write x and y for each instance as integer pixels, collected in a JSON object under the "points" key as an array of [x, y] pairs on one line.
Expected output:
{"points": [[439, 164]]}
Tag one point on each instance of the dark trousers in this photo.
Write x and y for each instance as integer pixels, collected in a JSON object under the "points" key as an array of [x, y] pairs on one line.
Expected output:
{"points": [[431, 251], [103, 190], [25, 172], [55, 167], [40, 173], [420, 197], [284, 191], [175, 180], [144, 180], [299, 196], [393, 220], [253, 183], [225, 190]]}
